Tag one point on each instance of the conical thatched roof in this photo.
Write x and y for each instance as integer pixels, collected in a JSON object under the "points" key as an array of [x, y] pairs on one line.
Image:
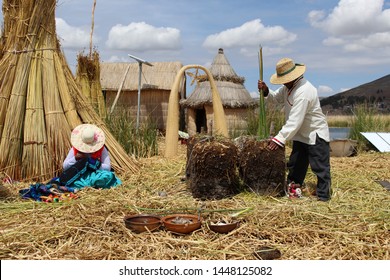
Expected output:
{"points": [[40, 102], [230, 87]]}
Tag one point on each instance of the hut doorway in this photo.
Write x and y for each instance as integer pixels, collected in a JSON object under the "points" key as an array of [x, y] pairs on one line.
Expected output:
{"points": [[201, 120]]}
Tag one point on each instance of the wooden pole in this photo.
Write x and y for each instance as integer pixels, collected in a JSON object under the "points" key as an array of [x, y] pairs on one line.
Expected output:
{"points": [[120, 89], [92, 28], [139, 94]]}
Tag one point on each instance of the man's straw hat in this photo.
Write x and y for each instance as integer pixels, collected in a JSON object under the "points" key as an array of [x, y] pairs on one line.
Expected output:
{"points": [[87, 138], [287, 71]]}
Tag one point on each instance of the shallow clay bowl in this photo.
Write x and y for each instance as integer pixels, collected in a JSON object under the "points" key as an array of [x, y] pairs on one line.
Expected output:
{"points": [[142, 222], [182, 223], [222, 227]]}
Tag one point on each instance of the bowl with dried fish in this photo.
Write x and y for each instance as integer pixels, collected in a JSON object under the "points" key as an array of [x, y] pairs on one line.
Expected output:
{"points": [[142, 222], [182, 223], [222, 226]]}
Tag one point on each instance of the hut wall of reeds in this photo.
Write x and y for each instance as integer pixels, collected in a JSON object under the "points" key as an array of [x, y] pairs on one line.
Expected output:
{"points": [[156, 83], [236, 100], [40, 102]]}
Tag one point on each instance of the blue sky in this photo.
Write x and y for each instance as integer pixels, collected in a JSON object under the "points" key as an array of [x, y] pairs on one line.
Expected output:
{"points": [[344, 43]]}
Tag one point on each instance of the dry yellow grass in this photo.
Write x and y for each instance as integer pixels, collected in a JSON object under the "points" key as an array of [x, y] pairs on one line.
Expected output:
{"points": [[348, 120], [355, 224], [340, 120]]}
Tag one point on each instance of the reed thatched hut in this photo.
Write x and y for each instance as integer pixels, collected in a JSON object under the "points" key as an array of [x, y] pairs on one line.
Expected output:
{"points": [[40, 102], [156, 83], [236, 100]]}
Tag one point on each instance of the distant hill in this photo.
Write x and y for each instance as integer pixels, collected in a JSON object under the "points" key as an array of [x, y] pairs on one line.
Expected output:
{"points": [[375, 93]]}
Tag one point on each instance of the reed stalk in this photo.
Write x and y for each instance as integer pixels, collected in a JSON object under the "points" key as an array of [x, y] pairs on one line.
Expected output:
{"points": [[262, 130]]}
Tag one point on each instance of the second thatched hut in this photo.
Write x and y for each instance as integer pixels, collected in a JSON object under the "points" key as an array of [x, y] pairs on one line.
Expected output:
{"points": [[236, 100]]}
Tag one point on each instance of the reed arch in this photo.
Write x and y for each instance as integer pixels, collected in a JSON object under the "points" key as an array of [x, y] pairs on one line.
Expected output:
{"points": [[172, 129]]}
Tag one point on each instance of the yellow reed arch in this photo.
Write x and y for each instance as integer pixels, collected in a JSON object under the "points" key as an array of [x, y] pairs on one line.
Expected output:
{"points": [[172, 128]]}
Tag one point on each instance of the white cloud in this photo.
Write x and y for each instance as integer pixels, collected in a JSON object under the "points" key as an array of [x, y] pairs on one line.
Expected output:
{"points": [[333, 41], [324, 91], [376, 40], [379, 41], [116, 58], [316, 18], [250, 51], [72, 37], [355, 25], [140, 36], [351, 17], [250, 34]]}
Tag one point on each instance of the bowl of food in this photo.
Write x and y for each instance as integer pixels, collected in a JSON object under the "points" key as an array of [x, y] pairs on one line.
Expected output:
{"points": [[182, 223], [222, 226], [142, 222]]}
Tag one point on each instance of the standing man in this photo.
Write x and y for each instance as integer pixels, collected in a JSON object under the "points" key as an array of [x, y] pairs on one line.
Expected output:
{"points": [[305, 125]]}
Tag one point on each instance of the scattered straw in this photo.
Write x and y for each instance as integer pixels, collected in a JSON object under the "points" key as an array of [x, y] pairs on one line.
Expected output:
{"points": [[355, 224]]}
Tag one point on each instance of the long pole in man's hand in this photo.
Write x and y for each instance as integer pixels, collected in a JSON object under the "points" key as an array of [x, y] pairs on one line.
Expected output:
{"points": [[262, 131]]}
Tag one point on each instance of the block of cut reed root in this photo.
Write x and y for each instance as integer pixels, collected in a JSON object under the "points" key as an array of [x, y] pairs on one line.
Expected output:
{"points": [[261, 170], [212, 168]]}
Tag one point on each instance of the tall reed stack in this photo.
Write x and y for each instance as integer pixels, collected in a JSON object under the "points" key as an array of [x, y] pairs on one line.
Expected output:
{"points": [[40, 102], [88, 79]]}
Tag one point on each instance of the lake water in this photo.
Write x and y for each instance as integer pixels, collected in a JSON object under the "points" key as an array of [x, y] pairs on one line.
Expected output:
{"points": [[339, 132]]}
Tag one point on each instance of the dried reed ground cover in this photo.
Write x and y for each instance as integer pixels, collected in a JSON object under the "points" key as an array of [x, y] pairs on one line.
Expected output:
{"points": [[355, 224]]}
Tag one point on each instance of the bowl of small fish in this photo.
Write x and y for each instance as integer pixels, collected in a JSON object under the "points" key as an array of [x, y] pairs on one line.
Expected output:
{"points": [[182, 223]]}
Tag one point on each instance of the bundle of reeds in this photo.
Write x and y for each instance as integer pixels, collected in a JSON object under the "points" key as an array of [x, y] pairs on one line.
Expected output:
{"points": [[88, 79], [40, 102], [173, 111]]}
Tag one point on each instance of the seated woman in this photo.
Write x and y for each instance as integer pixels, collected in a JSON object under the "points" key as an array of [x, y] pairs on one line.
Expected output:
{"points": [[88, 161], [87, 164]]}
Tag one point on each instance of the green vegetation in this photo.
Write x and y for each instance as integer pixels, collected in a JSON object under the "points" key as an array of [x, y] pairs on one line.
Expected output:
{"points": [[144, 142], [366, 119], [141, 142], [263, 131], [274, 117]]}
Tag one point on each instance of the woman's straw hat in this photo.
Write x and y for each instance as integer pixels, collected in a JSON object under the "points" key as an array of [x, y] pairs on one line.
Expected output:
{"points": [[287, 71], [87, 138]]}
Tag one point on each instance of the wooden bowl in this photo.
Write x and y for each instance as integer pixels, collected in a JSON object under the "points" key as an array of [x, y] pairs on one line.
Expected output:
{"points": [[222, 227], [182, 223], [142, 222]]}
